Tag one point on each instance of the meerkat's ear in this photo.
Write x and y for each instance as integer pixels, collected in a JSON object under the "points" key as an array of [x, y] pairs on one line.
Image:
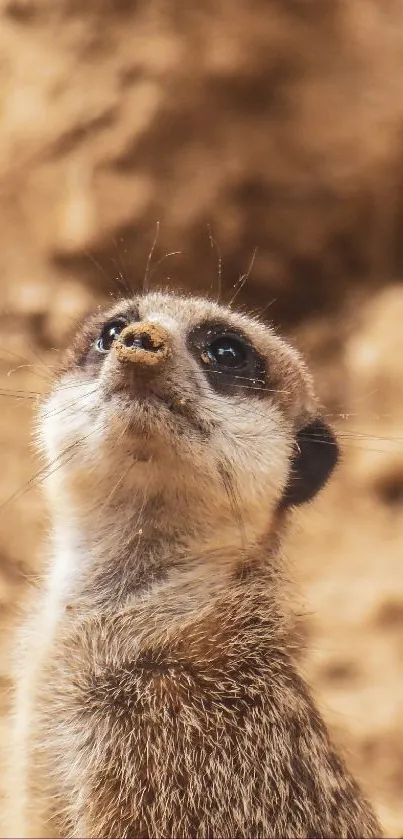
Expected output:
{"points": [[316, 455]]}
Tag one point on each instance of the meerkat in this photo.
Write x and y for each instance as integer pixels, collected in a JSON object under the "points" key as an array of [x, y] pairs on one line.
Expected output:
{"points": [[158, 693]]}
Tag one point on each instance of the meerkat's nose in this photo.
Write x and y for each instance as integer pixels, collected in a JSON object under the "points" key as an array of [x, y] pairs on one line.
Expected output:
{"points": [[147, 345]]}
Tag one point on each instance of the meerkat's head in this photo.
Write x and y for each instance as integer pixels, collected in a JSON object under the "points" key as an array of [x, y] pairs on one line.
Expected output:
{"points": [[189, 405]]}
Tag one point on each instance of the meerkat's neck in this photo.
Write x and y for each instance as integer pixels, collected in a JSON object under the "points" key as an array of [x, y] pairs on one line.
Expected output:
{"points": [[102, 556]]}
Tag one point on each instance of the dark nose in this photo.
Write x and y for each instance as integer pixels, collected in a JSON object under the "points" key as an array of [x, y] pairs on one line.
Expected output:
{"points": [[147, 345]]}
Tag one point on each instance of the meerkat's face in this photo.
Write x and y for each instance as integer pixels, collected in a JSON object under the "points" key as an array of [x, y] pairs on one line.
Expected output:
{"points": [[181, 397]]}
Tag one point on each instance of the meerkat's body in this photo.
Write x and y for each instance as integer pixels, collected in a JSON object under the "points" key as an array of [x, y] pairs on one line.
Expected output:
{"points": [[158, 696]]}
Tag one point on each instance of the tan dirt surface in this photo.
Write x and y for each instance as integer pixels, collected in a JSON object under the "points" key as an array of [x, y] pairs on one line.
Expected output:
{"points": [[259, 137]]}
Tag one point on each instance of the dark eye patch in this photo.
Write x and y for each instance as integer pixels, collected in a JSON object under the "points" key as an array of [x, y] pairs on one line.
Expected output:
{"points": [[83, 349], [109, 333], [231, 363]]}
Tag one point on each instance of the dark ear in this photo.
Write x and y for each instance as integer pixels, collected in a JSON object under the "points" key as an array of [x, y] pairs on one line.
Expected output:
{"points": [[316, 455]]}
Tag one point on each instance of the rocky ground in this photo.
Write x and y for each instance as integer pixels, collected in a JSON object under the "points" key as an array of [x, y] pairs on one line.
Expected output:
{"points": [[262, 135]]}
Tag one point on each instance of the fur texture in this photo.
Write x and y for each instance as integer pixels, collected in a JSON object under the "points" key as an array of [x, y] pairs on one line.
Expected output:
{"points": [[159, 696]]}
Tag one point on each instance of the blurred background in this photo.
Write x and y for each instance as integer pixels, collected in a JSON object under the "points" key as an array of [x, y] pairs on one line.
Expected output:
{"points": [[255, 137]]}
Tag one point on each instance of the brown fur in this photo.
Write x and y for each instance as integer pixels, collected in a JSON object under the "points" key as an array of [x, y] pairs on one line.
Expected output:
{"points": [[160, 696]]}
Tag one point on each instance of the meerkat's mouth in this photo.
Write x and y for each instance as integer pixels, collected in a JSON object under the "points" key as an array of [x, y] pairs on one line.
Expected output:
{"points": [[150, 411], [145, 399]]}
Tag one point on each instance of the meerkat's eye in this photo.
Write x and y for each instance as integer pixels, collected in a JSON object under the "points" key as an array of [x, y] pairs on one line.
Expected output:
{"points": [[228, 358], [109, 333], [226, 351]]}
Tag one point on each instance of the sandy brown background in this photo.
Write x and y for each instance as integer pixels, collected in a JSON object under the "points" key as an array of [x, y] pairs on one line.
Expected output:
{"points": [[268, 124]]}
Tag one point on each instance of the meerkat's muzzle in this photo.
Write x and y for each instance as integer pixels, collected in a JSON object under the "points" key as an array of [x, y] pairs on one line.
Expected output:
{"points": [[146, 345]]}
